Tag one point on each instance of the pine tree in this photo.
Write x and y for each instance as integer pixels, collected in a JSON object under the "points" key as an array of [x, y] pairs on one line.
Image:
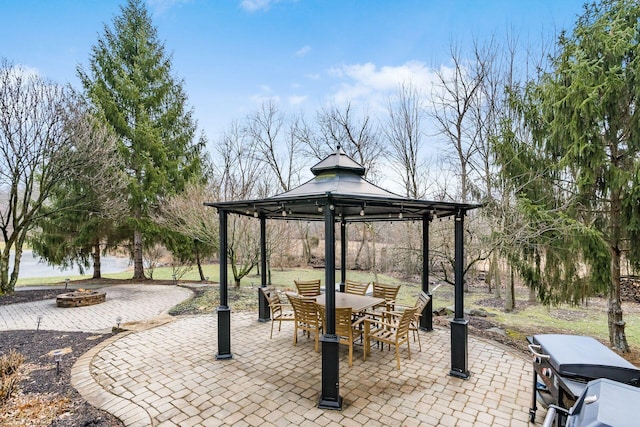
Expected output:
{"points": [[580, 178], [130, 82]]}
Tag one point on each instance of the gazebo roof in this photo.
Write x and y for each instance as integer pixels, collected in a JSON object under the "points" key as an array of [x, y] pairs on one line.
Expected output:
{"points": [[338, 181]]}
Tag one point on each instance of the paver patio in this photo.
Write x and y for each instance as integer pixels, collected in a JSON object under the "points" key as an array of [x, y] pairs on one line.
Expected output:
{"points": [[169, 376]]}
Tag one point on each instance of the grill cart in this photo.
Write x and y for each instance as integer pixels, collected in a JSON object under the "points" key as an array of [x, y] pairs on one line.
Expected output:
{"points": [[564, 364]]}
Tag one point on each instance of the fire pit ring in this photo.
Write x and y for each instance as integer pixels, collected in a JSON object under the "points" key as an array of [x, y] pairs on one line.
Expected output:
{"points": [[80, 298]]}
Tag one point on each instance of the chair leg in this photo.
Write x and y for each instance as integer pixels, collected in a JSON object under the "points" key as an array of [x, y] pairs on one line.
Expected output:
{"points": [[417, 331], [271, 335], [398, 356], [295, 335]]}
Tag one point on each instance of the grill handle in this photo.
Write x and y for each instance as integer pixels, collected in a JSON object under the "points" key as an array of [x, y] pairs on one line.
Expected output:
{"points": [[535, 348]]}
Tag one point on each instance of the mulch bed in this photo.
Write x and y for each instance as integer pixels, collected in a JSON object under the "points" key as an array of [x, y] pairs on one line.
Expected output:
{"points": [[45, 396]]}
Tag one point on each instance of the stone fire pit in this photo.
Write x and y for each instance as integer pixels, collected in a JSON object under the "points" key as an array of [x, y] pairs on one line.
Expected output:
{"points": [[80, 298]]}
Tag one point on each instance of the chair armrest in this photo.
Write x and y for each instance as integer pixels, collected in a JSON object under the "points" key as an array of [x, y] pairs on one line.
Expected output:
{"points": [[281, 305], [379, 322]]}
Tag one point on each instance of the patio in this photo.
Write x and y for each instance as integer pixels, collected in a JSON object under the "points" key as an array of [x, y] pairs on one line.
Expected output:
{"points": [[169, 376]]}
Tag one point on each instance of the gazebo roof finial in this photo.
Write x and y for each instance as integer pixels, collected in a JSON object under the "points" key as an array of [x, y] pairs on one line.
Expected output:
{"points": [[338, 161]]}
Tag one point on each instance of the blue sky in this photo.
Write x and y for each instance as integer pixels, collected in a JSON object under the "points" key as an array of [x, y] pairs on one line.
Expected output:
{"points": [[233, 54]]}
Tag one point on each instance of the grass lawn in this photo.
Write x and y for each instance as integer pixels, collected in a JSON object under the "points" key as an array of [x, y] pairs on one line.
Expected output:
{"points": [[527, 318]]}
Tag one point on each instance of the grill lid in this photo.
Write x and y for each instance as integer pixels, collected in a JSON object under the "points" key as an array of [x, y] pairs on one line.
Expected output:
{"points": [[586, 358], [606, 403]]}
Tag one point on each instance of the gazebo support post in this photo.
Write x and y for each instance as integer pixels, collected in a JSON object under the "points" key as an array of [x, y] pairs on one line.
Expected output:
{"points": [[459, 331], [224, 312], [330, 395], [426, 320], [264, 314], [343, 254]]}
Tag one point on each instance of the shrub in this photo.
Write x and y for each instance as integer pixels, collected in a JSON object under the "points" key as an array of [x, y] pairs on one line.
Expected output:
{"points": [[9, 365]]}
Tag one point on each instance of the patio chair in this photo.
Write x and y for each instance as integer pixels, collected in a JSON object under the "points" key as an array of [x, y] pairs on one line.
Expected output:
{"points": [[278, 314], [389, 293], [308, 288], [356, 288], [395, 332], [347, 330], [421, 302], [306, 317]]}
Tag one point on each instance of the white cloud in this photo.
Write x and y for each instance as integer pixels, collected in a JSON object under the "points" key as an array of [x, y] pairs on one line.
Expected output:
{"points": [[372, 84], [303, 51], [297, 99], [161, 6], [312, 76], [265, 94], [255, 5]]}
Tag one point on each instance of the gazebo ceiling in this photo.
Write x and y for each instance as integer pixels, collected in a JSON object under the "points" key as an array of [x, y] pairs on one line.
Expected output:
{"points": [[339, 183]]}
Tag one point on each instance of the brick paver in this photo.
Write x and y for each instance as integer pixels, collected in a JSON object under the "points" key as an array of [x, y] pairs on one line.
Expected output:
{"points": [[271, 382], [168, 375], [132, 303]]}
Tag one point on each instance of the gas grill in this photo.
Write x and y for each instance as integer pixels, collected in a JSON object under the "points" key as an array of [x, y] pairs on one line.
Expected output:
{"points": [[604, 403], [564, 364]]}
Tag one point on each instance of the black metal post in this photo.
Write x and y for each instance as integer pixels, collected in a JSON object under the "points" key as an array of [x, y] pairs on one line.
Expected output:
{"points": [[343, 254], [264, 314], [330, 395], [426, 320], [459, 325], [224, 312]]}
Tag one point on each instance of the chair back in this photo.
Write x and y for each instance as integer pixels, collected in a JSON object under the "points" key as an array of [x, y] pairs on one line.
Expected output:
{"points": [[421, 302], [308, 288], [402, 327], [273, 299], [357, 288], [305, 309], [388, 292], [343, 322]]}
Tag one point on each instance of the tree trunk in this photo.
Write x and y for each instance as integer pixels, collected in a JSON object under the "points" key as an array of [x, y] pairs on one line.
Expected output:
{"points": [[97, 263], [510, 302], [4, 271], [497, 282], [198, 263], [138, 266], [617, 337]]}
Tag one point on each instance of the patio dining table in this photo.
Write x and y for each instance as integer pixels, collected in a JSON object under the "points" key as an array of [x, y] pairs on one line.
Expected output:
{"points": [[358, 303]]}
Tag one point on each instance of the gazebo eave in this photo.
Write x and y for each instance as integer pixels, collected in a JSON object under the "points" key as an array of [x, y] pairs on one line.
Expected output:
{"points": [[349, 208]]}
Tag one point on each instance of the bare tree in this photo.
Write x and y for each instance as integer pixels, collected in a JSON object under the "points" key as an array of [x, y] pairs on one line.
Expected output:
{"points": [[275, 144], [404, 133], [47, 135], [459, 111], [241, 175], [186, 214], [453, 100]]}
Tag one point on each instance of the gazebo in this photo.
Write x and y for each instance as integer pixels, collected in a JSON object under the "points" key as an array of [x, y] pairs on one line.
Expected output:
{"points": [[338, 193]]}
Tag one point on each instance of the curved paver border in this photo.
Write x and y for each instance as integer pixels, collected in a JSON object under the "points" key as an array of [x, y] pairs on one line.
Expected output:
{"points": [[90, 389]]}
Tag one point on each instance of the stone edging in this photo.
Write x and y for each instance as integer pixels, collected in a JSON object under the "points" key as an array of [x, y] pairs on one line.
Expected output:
{"points": [[90, 389], [130, 413]]}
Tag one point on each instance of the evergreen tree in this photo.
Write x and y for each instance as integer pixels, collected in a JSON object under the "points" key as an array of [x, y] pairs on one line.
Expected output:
{"points": [[579, 179], [77, 222], [130, 82]]}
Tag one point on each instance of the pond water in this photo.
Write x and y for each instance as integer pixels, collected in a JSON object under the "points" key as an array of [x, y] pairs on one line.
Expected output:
{"points": [[31, 266]]}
